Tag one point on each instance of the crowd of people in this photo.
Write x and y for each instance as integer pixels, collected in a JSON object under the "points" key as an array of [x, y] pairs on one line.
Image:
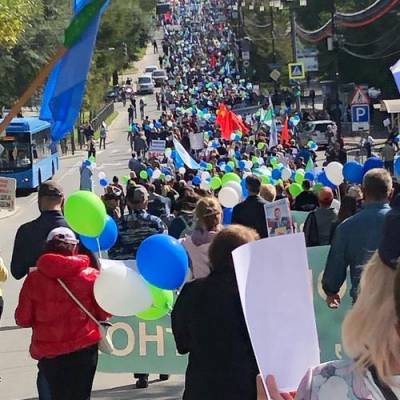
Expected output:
{"points": [[175, 192]]}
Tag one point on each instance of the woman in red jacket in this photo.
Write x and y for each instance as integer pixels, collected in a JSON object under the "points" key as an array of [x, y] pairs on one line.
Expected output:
{"points": [[64, 339]]}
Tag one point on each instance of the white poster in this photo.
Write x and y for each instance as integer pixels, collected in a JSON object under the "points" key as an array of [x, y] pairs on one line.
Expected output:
{"points": [[8, 187], [276, 294], [196, 140]]}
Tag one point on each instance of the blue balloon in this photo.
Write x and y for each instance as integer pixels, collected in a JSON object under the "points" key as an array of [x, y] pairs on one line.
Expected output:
{"points": [[276, 174], [103, 182], [353, 172], [228, 168], [227, 220], [397, 166], [87, 163], [149, 172], [322, 178], [237, 138], [371, 163], [309, 176], [242, 165], [163, 262], [105, 241], [196, 180], [245, 192]]}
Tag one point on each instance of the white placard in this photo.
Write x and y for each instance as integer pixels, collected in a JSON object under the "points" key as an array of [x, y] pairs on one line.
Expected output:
{"points": [[8, 187], [276, 293]]}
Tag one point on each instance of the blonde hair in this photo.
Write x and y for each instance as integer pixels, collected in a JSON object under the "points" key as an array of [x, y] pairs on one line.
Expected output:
{"points": [[268, 192], [208, 214], [369, 330]]}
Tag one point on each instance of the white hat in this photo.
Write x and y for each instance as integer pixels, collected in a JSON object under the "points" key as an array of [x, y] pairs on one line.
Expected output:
{"points": [[63, 234]]}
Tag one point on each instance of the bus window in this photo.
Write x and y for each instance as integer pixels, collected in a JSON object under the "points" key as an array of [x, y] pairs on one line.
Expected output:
{"points": [[15, 152], [41, 145]]}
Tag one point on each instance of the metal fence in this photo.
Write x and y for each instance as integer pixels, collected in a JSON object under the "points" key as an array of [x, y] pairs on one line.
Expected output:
{"points": [[104, 113]]}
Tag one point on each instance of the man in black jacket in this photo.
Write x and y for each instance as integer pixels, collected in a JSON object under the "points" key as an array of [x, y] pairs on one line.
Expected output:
{"points": [[31, 237], [251, 212]]}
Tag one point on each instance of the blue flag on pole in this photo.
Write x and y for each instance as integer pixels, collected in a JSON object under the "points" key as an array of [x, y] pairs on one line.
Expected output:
{"points": [[63, 94], [396, 74]]}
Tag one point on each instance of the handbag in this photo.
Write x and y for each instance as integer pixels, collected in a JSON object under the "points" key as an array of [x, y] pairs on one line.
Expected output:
{"points": [[105, 345]]}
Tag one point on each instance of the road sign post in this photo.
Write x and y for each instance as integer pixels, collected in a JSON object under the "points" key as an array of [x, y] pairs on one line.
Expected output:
{"points": [[297, 71], [360, 117]]}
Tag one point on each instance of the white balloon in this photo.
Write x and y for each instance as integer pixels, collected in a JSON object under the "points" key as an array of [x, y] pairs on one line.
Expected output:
{"points": [[205, 175], [120, 290], [102, 175], [205, 185], [228, 197], [168, 178], [156, 174], [286, 174], [182, 170], [236, 187], [334, 172]]}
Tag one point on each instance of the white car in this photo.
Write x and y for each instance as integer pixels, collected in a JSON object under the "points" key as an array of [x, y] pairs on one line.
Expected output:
{"points": [[317, 131], [159, 77], [150, 69], [145, 84]]}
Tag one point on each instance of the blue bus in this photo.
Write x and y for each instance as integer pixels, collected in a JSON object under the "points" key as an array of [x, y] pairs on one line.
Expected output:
{"points": [[27, 153]]}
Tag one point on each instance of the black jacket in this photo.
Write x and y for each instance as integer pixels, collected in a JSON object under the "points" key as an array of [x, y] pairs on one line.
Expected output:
{"points": [[251, 213], [208, 323], [30, 241]]}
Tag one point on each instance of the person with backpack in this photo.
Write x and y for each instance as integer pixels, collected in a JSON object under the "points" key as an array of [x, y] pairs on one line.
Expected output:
{"points": [[182, 224], [65, 338], [318, 225]]}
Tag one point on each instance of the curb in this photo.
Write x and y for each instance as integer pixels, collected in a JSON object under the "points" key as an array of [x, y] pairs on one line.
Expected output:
{"points": [[6, 214]]}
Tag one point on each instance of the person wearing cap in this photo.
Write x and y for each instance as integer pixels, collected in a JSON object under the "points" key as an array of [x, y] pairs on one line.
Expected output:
{"points": [[31, 237], [64, 338], [318, 225], [251, 211], [133, 229], [370, 334], [358, 237]]}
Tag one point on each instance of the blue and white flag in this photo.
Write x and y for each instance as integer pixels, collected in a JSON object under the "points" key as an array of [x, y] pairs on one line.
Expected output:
{"points": [[185, 156], [396, 74], [63, 94]]}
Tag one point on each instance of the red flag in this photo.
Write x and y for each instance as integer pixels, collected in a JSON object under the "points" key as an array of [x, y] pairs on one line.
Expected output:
{"points": [[229, 122], [285, 135], [213, 61]]}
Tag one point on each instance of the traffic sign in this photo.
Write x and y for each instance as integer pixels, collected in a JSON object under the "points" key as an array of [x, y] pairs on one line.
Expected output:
{"points": [[360, 117], [359, 97], [297, 71], [275, 75]]}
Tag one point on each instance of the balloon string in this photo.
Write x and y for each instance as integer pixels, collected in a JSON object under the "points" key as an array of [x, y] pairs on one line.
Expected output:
{"points": [[98, 247]]}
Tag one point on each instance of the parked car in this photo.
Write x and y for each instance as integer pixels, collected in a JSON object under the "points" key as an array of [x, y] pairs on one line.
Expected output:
{"points": [[317, 131], [113, 95], [159, 77], [150, 69], [145, 84]]}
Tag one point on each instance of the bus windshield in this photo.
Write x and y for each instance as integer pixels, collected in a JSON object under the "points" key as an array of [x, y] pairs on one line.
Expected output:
{"points": [[15, 152]]}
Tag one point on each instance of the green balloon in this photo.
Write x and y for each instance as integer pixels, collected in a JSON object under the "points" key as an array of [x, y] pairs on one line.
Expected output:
{"points": [[144, 175], [209, 167], [231, 164], [125, 179], [254, 159], [265, 180], [274, 161], [295, 189], [279, 182], [317, 187], [85, 213], [299, 178], [163, 300], [130, 128], [229, 177], [260, 146], [215, 183]]}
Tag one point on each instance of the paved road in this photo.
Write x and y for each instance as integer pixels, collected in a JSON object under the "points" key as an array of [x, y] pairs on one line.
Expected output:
{"points": [[17, 369]]}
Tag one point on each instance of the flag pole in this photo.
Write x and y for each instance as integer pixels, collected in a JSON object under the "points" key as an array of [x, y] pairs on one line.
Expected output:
{"points": [[36, 84]]}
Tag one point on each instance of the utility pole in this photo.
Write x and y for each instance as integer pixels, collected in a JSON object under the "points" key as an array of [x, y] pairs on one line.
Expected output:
{"points": [[271, 11], [335, 43], [293, 33]]}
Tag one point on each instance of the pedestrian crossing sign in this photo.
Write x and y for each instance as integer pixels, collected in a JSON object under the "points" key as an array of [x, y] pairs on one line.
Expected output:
{"points": [[297, 71]]}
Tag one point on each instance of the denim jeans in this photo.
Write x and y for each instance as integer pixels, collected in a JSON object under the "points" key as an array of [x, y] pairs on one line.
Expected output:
{"points": [[43, 387]]}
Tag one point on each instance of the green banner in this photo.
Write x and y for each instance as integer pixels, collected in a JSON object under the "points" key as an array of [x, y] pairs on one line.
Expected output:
{"points": [[149, 346]]}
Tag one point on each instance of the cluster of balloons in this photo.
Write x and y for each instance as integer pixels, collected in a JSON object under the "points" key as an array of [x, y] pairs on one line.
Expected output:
{"points": [[103, 181], [354, 172]]}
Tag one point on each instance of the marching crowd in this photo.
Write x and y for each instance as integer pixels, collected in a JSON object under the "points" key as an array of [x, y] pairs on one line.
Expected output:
{"points": [[176, 192]]}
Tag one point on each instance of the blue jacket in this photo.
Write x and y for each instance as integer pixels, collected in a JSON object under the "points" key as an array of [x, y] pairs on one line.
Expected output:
{"points": [[355, 240]]}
